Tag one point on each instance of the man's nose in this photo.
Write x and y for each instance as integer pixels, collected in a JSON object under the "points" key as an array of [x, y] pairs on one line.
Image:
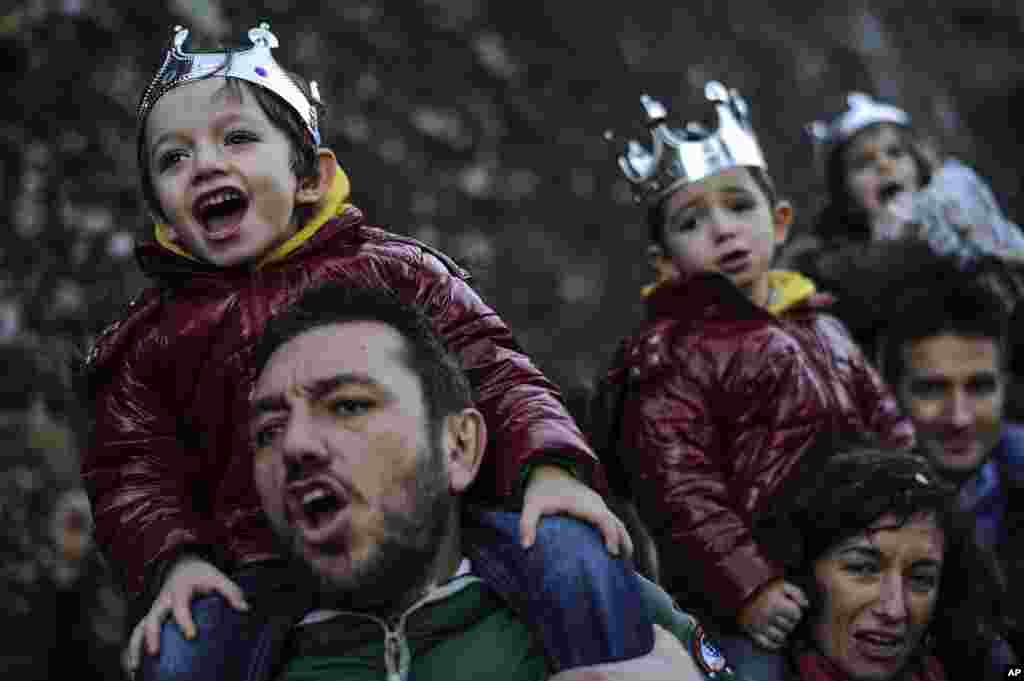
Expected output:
{"points": [[892, 601], [302, 446], [959, 409]]}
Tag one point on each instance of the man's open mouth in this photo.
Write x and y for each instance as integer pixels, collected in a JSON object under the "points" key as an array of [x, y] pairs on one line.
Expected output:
{"points": [[220, 212], [317, 508]]}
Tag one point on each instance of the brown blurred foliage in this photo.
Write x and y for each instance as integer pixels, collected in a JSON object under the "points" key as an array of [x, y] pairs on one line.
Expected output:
{"points": [[477, 125], [473, 124]]}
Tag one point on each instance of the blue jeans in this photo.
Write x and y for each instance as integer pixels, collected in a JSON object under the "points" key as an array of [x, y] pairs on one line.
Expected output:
{"points": [[751, 661], [584, 604], [229, 644]]}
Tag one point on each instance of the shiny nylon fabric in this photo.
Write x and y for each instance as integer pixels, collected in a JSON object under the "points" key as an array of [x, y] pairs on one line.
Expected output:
{"points": [[169, 465], [723, 399]]}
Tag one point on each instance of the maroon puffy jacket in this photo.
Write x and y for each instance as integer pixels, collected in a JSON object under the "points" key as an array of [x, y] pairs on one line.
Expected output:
{"points": [[168, 465], [723, 398]]}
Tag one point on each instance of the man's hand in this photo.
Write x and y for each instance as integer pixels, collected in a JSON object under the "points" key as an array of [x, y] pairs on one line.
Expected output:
{"points": [[669, 661], [772, 614], [188, 578], [551, 490]]}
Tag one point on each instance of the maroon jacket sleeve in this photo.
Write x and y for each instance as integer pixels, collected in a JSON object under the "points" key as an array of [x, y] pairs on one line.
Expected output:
{"points": [[879, 408], [882, 411], [526, 419], [138, 474], [677, 439]]}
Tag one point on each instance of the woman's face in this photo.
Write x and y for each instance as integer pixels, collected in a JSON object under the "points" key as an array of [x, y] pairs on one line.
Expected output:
{"points": [[879, 590]]}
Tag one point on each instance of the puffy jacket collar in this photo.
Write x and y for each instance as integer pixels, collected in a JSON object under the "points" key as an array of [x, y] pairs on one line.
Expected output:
{"points": [[166, 261], [712, 295]]}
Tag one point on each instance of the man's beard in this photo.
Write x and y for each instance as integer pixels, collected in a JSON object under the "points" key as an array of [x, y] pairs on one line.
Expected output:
{"points": [[399, 567]]}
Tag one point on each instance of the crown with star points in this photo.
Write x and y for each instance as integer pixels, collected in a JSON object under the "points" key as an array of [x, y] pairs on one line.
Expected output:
{"points": [[862, 111], [684, 155], [253, 63]]}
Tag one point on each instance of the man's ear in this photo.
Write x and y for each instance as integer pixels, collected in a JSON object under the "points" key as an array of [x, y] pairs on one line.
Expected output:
{"points": [[312, 189], [465, 437], [782, 216]]}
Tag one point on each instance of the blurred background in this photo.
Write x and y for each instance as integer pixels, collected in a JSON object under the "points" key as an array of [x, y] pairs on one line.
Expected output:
{"points": [[475, 125]]}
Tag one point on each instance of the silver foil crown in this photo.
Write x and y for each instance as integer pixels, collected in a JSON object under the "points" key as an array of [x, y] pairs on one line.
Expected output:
{"points": [[861, 112], [254, 64], [681, 156]]}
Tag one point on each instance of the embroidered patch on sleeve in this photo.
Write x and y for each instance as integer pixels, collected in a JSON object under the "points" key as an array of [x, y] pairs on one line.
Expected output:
{"points": [[707, 655]]}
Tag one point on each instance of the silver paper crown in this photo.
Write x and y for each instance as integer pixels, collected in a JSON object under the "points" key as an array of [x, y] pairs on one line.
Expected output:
{"points": [[693, 153], [862, 112], [253, 64]]}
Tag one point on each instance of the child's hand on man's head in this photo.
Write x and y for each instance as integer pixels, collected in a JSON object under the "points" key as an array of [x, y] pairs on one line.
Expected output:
{"points": [[550, 490], [188, 578]]}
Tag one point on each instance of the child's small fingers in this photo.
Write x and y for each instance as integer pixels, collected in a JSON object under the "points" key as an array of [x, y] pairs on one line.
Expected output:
{"points": [[627, 541], [152, 634], [132, 652], [183, 616], [234, 596], [528, 528], [612, 537], [796, 594]]}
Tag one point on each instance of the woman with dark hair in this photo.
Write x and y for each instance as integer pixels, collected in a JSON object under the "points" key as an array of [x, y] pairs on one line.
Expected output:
{"points": [[899, 590]]}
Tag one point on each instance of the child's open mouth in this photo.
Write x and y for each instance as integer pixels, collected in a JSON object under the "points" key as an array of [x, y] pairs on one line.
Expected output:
{"points": [[897, 200], [220, 212], [735, 262], [889, 191]]}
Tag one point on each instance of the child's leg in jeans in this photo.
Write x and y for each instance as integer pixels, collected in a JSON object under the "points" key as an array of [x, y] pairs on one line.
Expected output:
{"points": [[585, 603], [747, 658], [227, 644]]}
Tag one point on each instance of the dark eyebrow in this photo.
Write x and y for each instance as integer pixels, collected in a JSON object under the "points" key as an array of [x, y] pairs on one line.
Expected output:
{"points": [[318, 389], [860, 550], [728, 189], [930, 378]]}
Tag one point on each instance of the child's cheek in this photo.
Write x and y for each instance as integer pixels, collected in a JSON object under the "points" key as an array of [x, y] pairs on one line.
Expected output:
{"points": [[864, 190]]}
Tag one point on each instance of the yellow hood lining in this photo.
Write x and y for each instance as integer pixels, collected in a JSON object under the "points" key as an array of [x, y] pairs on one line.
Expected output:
{"points": [[789, 289]]}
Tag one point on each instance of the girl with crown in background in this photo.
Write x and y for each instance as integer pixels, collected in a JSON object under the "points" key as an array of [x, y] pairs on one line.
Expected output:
{"points": [[735, 371], [883, 183], [251, 210]]}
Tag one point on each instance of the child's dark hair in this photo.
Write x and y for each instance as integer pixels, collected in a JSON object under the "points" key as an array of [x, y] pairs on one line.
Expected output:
{"points": [[656, 211], [304, 161], [842, 217]]}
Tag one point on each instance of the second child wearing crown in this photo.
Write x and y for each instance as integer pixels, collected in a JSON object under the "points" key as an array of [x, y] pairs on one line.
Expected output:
{"points": [[736, 370], [251, 211]]}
